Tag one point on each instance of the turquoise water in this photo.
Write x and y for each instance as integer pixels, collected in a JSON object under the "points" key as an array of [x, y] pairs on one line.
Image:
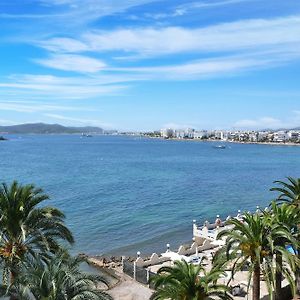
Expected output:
{"points": [[123, 194]]}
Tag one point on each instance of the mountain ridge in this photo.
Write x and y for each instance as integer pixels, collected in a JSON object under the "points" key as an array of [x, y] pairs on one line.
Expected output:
{"points": [[44, 128]]}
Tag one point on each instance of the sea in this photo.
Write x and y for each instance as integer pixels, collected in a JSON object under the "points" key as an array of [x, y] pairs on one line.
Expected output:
{"points": [[123, 194]]}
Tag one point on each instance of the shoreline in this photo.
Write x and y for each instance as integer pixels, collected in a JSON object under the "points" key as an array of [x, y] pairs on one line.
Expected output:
{"points": [[161, 138], [224, 141]]}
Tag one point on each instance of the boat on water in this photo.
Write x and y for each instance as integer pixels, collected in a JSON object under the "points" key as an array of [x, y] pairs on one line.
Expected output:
{"points": [[219, 147], [86, 135]]}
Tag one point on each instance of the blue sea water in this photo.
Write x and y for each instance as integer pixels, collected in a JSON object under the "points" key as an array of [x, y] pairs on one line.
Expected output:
{"points": [[123, 194]]}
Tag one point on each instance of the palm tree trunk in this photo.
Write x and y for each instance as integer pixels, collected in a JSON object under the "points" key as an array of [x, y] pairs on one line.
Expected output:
{"points": [[298, 281], [278, 277], [12, 280], [297, 275], [256, 282]]}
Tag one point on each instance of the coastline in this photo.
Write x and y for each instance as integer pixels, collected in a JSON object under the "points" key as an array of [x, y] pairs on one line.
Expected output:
{"points": [[224, 141]]}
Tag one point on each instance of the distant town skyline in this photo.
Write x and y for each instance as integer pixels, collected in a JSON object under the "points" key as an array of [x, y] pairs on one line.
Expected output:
{"points": [[150, 64]]}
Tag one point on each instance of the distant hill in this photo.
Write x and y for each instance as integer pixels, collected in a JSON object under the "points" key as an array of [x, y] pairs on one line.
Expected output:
{"points": [[42, 128]]}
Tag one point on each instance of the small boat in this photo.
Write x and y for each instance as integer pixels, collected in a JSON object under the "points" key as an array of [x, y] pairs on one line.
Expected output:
{"points": [[219, 147], [86, 135]]}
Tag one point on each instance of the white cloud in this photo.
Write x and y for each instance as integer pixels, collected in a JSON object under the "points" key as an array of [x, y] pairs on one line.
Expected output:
{"points": [[251, 35], [71, 62], [292, 120], [5, 122], [208, 4], [178, 125], [191, 7], [63, 45], [111, 80], [76, 12], [58, 2], [297, 113], [157, 16], [244, 45], [213, 67], [261, 123], [52, 87], [30, 107], [78, 121]]}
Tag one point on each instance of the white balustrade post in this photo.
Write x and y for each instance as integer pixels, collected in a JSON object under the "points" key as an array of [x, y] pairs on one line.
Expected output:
{"points": [[257, 209], [194, 227], [148, 276], [122, 261], [168, 247], [134, 270]]}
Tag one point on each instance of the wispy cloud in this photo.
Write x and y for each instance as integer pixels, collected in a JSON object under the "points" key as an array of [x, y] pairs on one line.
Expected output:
{"points": [[113, 80], [261, 123], [260, 33], [46, 86], [269, 43], [208, 4], [71, 62], [215, 67], [78, 13], [291, 121], [79, 121], [31, 107], [191, 7], [6, 122], [174, 125], [63, 44]]}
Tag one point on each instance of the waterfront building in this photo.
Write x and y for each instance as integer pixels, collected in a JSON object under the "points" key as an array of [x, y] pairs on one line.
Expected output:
{"points": [[293, 135], [179, 133], [231, 136], [243, 136], [219, 135], [280, 136], [200, 134], [262, 136], [253, 137], [189, 133]]}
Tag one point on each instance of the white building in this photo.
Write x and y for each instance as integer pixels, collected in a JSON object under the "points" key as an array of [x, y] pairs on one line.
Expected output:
{"points": [[220, 135], [189, 133], [293, 135], [262, 136], [200, 134], [253, 137], [179, 133], [231, 135], [280, 136]]}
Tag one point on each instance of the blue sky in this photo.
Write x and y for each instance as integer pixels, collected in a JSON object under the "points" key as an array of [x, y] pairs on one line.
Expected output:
{"points": [[146, 64]]}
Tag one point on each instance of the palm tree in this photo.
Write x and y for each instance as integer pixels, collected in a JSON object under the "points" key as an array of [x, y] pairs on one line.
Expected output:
{"points": [[58, 279], [249, 242], [188, 282], [27, 230], [289, 191], [283, 222]]}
